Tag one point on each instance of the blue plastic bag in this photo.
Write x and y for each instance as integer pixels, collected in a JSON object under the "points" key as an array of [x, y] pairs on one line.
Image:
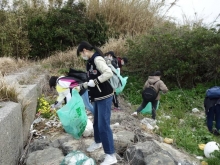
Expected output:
{"points": [[73, 115], [148, 108]]}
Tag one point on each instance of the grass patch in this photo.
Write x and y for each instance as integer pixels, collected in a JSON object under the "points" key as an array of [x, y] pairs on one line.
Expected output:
{"points": [[8, 93]]}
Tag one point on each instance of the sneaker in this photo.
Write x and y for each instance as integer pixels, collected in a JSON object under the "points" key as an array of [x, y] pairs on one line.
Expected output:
{"points": [[134, 114], [215, 132], [109, 159], [117, 108], [94, 146]]}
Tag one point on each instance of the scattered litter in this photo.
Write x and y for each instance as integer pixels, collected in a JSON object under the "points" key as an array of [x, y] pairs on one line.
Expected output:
{"points": [[210, 147], [201, 146], [150, 123], [168, 140], [167, 117], [195, 110], [77, 158], [114, 125], [199, 157], [204, 163]]}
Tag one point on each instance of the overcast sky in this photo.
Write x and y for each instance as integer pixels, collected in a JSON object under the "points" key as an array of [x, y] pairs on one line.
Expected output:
{"points": [[206, 9]]}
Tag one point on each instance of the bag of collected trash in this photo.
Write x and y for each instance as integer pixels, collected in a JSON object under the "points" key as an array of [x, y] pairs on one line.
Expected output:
{"points": [[77, 158], [89, 129], [148, 108], [124, 82], [73, 115]]}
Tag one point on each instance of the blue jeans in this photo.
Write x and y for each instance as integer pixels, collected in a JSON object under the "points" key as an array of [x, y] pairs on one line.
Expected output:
{"points": [[102, 131], [213, 114], [87, 103]]}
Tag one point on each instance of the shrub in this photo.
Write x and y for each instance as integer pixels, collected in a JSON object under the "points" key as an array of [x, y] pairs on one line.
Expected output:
{"points": [[185, 56], [61, 28]]}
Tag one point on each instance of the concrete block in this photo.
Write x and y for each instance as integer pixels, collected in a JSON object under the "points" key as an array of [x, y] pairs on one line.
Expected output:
{"points": [[28, 98], [11, 133]]}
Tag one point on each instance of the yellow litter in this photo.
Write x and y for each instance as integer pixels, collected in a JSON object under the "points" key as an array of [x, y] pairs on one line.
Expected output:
{"points": [[168, 140], [201, 146], [204, 163]]}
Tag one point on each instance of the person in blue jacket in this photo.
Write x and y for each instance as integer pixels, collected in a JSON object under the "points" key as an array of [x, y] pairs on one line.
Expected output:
{"points": [[212, 111]]}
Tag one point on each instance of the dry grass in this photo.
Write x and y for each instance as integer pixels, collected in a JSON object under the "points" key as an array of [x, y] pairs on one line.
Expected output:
{"points": [[127, 16], [116, 45], [9, 65], [7, 93], [65, 59]]}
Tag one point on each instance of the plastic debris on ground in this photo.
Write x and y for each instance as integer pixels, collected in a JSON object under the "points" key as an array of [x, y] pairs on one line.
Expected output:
{"points": [[77, 158], [168, 140]]}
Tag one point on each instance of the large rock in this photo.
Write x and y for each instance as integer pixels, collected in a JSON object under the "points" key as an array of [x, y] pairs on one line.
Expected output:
{"points": [[49, 156], [122, 140]]}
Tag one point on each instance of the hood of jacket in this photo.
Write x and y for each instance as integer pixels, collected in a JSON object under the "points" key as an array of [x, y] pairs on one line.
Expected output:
{"points": [[153, 79]]}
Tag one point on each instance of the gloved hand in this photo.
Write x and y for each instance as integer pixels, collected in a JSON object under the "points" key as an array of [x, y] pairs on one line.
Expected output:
{"points": [[91, 83], [56, 105], [77, 88]]}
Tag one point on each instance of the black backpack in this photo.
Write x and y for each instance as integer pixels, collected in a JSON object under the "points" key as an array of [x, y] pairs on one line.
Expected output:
{"points": [[149, 94]]}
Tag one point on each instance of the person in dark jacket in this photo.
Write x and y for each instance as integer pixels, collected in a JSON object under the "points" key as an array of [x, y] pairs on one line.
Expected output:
{"points": [[101, 92], [212, 111], [159, 85], [111, 56], [121, 62]]}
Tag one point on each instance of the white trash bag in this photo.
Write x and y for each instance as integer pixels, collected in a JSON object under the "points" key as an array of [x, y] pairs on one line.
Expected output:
{"points": [[89, 128]]}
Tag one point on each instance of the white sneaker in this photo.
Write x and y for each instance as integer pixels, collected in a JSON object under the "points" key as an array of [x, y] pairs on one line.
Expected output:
{"points": [[109, 159], [94, 146], [134, 114]]}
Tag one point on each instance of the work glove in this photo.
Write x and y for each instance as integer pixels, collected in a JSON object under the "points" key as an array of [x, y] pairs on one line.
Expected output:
{"points": [[91, 83], [77, 88], [56, 105]]}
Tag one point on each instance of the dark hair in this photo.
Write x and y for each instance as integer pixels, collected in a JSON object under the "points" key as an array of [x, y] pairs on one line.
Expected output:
{"points": [[88, 46], [53, 81], [157, 73], [110, 53], [125, 60]]}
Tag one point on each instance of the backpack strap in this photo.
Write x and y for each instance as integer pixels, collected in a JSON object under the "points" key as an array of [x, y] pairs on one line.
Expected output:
{"points": [[117, 77], [154, 84]]}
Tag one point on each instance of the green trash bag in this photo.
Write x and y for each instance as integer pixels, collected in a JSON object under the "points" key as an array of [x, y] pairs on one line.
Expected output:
{"points": [[73, 115], [77, 158], [123, 81], [148, 108]]}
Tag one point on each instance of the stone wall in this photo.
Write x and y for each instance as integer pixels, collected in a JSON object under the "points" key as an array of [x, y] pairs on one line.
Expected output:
{"points": [[16, 118]]}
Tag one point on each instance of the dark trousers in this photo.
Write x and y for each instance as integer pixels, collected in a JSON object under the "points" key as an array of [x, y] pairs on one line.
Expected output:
{"points": [[213, 114], [115, 100], [154, 107]]}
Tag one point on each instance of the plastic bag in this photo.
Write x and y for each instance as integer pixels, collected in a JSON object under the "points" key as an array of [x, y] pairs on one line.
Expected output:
{"points": [[123, 81], [73, 115], [77, 158], [148, 108], [89, 129]]}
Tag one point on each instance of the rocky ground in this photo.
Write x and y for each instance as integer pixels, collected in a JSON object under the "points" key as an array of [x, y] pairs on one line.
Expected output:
{"points": [[135, 142]]}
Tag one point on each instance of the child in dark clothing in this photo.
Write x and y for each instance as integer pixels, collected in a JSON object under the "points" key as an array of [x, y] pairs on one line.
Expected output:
{"points": [[212, 110]]}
